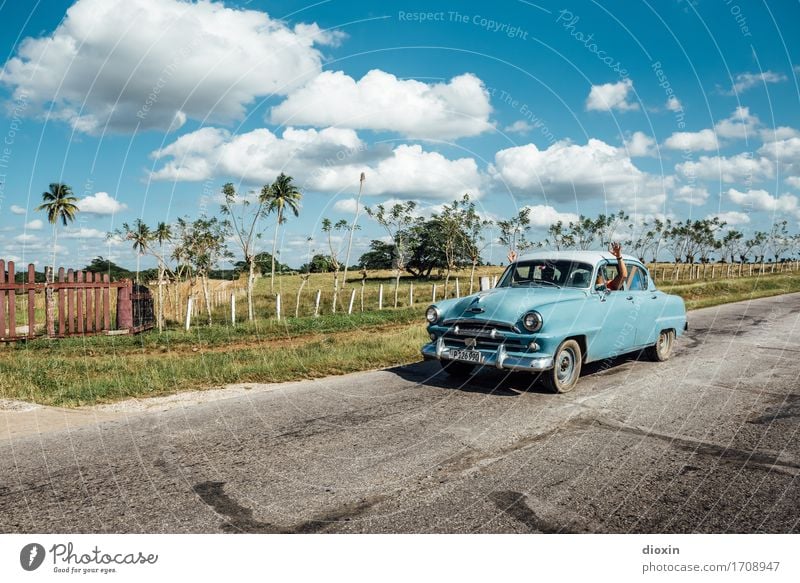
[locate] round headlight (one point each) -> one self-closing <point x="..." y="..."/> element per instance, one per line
<point x="532" y="321"/>
<point x="432" y="315"/>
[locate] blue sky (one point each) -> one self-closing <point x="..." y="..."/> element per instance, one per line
<point x="146" y="107"/>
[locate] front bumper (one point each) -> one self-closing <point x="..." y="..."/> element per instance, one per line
<point x="499" y="358"/>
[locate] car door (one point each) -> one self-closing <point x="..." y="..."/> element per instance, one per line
<point x="617" y="312"/>
<point x="651" y="307"/>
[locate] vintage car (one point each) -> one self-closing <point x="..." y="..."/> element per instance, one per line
<point x="550" y="312"/>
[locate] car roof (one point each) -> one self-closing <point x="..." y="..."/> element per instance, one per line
<point x="592" y="257"/>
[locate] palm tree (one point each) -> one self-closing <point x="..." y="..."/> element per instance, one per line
<point x="282" y="194"/>
<point x="141" y="236"/>
<point x="162" y="234"/>
<point x="59" y="202"/>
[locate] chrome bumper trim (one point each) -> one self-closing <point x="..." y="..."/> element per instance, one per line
<point x="499" y="359"/>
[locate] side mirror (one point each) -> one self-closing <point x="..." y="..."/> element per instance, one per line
<point x="601" y="287"/>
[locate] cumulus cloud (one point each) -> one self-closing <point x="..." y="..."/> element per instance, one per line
<point x="100" y="203"/>
<point x="761" y="200"/>
<point x="693" y="141"/>
<point x="779" y="133"/>
<point x="84" y="233"/>
<point x="692" y="195"/>
<point x="731" y="218"/>
<point x="155" y="63"/>
<point x="545" y="215"/>
<point x="742" y="166"/>
<point x="34" y="225"/>
<point x="329" y="160"/>
<point x="381" y="101"/>
<point x="611" y="96"/>
<point x="793" y="181"/>
<point x="26" y="238"/>
<point x="519" y="127"/>
<point x="17" y="210"/>
<point x="257" y="156"/>
<point x="740" y="125"/>
<point x="640" y="144"/>
<point x="566" y="171"/>
<point x="745" y="81"/>
<point x="673" y="104"/>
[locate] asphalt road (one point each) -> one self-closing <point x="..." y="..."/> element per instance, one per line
<point x="707" y="442"/>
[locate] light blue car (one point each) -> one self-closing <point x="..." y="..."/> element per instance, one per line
<point x="550" y="313"/>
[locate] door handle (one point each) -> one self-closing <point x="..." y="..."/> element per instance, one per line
<point x="629" y="298"/>
<point x="653" y="297"/>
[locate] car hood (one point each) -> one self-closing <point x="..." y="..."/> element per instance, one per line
<point x="507" y="304"/>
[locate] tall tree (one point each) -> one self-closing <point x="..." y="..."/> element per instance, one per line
<point x="203" y="244"/>
<point x="162" y="235"/>
<point x="244" y="218"/>
<point x="395" y="221"/>
<point x="280" y="196"/>
<point x="328" y="227"/>
<point x="140" y="235"/>
<point x="778" y="239"/>
<point x="59" y="204"/>
<point x="474" y="227"/>
<point x="514" y="231"/>
<point x="353" y="227"/>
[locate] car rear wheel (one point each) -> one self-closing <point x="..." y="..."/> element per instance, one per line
<point x="457" y="369"/>
<point x="566" y="368"/>
<point x="662" y="349"/>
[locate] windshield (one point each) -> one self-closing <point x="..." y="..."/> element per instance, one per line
<point x="543" y="272"/>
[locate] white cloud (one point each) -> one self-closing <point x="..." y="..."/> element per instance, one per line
<point x="693" y="141"/>
<point x="728" y="169"/>
<point x="519" y="127"/>
<point x="100" y="203"/>
<point x="155" y="63"/>
<point x="740" y="125"/>
<point x="545" y="215"/>
<point x="673" y="104"/>
<point x="779" y="133"/>
<point x="34" y="225"/>
<point x="793" y="181"/>
<point x="329" y="160"/>
<point x="761" y="200"/>
<point x="26" y="238"/>
<point x="745" y="81"/>
<point x="381" y="101"/>
<point x="732" y="218"/>
<point x="640" y="144"/>
<point x="611" y="96"/>
<point x="692" y="195"/>
<point x="347" y="205"/>
<point x="257" y="156"/>
<point x="409" y="171"/>
<point x="566" y="171"/>
<point x="83" y="233"/>
<point x="17" y="210"/>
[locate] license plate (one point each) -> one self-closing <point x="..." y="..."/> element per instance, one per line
<point x="466" y="355"/>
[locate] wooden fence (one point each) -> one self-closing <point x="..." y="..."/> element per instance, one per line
<point x="76" y="303"/>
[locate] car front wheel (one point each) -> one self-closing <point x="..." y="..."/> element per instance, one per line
<point x="662" y="349"/>
<point x="566" y="368"/>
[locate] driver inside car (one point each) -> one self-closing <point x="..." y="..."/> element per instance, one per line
<point x="622" y="271"/>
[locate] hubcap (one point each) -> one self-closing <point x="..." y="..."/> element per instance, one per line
<point x="566" y="365"/>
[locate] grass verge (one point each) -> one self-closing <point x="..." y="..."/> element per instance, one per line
<point x="85" y="371"/>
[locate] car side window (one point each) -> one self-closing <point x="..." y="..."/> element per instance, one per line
<point x="637" y="280"/>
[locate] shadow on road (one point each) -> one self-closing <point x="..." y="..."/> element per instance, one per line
<point x="503" y="383"/>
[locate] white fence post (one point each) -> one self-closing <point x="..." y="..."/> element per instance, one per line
<point x="380" y="297"/>
<point x="316" y="302"/>
<point x="189" y="310"/>
<point x="458" y="289"/>
<point x="433" y="294"/>
<point x="411" y="294"/>
<point x="233" y="309"/>
<point x="494" y="281"/>
<point x="278" y="306"/>
<point x="352" y="299"/>
<point x="484" y="283"/>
